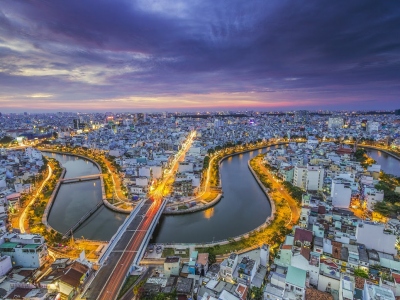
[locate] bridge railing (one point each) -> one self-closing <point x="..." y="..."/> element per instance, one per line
<point x="146" y="238"/>
<point x="83" y="219"/>
<point x="115" y="238"/>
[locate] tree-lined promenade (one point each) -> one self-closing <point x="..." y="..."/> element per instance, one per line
<point x="115" y="191"/>
<point x="287" y="207"/>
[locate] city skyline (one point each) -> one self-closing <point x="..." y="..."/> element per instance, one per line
<point x="230" y="55"/>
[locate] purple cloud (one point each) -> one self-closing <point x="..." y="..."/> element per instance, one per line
<point x="307" y="53"/>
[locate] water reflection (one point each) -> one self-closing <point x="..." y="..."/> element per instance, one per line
<point x="209" y="213"/>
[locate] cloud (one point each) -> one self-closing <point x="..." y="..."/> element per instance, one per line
<point x="307" y="54"/>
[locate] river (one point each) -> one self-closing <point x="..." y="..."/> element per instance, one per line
<point x="243" y="207"/>
<point x="388" y="163"/>
<point x="75" y="199"/>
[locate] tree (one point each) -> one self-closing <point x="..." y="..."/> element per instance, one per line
<point x="212" y="258"/>
<point x="6" y="140"/>
<point x="255" y="293"/>
<point x="361" y="273"/>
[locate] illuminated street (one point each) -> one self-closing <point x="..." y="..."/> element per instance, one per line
<point x="112" y="275"/>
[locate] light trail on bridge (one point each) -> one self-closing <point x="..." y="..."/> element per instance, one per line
<point x="110" y="278"/>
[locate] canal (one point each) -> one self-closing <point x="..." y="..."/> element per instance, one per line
<point x="243" y="207"/>
<point x="75" y="199"/>
<point x="389" y="164"/>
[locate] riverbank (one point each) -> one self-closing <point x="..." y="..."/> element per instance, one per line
<point x="272" y="231"/>
<point x="194" y="209"/>
<point x="103" y="186"/>
<point x="203" y="201"/>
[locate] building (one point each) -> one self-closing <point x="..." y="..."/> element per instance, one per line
<point x="183" y="188"/>
<point x="382" y="239"/>
<point x="300" y="116"/>
<point x="300" y="176"/>
<point x="26" y="256"/>
<point x="5" y="264"/>
<point x="374" y="292"/>
<point x="228" y="266"/>
<point x="372" y="197"/>
<point x="245" y="271"/>
<point x="341" y="193"/>
<point x="172" y="266"/>
<point x="296" y="282"/>
<point x="315" y="178"/>
<point x="25" y="250"/>
<point x="66" y="277"/>
<point x="372" y="127"/>
<point x="335" y="123"/>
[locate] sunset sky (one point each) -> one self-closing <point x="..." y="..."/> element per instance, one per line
<point x="157" y="55"/>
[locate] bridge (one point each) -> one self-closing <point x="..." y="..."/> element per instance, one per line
<point x="86" y="216"/>
<point x="128" y="245"/>
<point x="81" y="178"/>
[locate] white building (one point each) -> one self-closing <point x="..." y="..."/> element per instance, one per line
<point x="341" y="193"/>
<point x="300" y="176"/>
<point x="374" y="236"/>
<point x="372" y="196"/>
<point x="373" y="292"/>
<point x="172" y="266"/>
<point x="372" y="127"/>
<point x="142" y="181"/>
<point x="25" y="250"/>
<point x="185" y="167"/>
<point x="145" y="171"/>
<point x="156" y="171"/>
<point x="315" y="178"/>
<point x="5" y="264"/>
<point x="335" y="123"/>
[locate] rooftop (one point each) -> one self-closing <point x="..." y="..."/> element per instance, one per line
<point x="296" y="276"/>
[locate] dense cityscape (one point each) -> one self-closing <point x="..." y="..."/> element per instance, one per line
<point x="80" y="189"/>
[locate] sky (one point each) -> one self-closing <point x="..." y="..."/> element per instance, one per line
<point x="158" y="55"/>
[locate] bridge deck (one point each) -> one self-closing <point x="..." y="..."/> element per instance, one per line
<point x="82" y="178"/>
<point x="105" y="272"/>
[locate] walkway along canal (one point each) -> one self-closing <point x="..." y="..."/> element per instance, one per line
<point x="75" y="199"/>
<point x="243" y="207"/>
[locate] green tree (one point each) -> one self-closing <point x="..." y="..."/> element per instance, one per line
<point x="255" y="293"/>
<point x="361" y="273"/>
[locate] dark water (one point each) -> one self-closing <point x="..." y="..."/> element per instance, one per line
<point x="75" y="199"/>
<point x="74" y="165"/>
<point x="388" y="163"/>
<point x="243" y="208"/>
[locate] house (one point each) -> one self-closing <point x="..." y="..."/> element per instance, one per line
<point x="303" y="237"/>
<point x="172" y="266"/>
<point x="25" y="255"/>
<point x="296" y="280"/>
<point x="245" y="271"/>
<point x="67" y="280"/>
<point x="372" y="292"/>
<point x="202" y="263"/>
<point x="228" y="266"/>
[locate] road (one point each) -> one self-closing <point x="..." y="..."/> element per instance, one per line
<point x="292" y="204"/>
<point x="112" y="275"/>
<point x="39" y="190"/>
